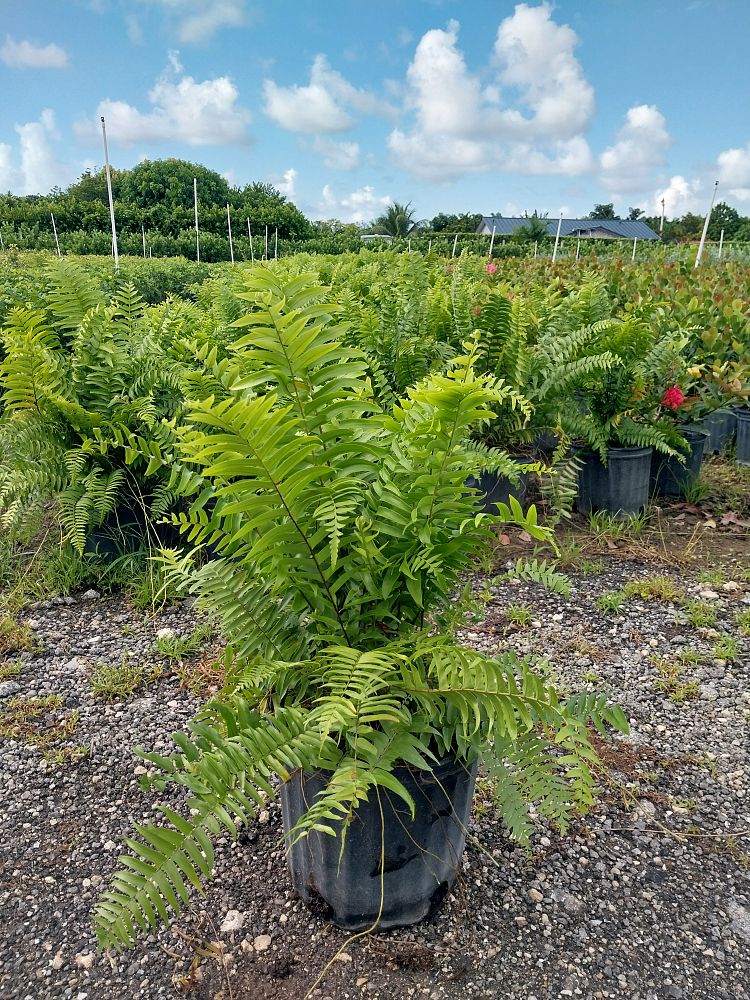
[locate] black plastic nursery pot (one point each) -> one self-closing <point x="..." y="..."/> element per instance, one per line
<point x="495" y="488"/>
<point x="721" y="426"/>
<point x="620" y="486"/>
<point x="742" y="453"/>
<point x="672" y="478"/>
<point x="414" y="862"/>
<point x="126" y="530"/>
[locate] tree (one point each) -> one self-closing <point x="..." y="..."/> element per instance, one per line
<point x="466" y="222"/>
<point x="532" y="231"/>
<point x="724" y="217"/>
<point x="397" y="220"/>
<point x="634" y="214"/>
<point x="603" y="212"/>
<point x="169" y="184"/>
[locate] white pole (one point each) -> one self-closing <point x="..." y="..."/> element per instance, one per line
<point x="143" y="234"/>
<point x="492" y="240"/>
<point x="150" y="253"/>
<point x="250" y="234"/>
<point x="276" y="243"/>
<point x="265" y="255"/>
<point x="195" y="206"/>
<point x="536" y="249"/>
<point x="111" y="202"/>
<point x="578" y="248"/>
<point x="455" y="244"/>
<point x="661" y="224"/>
<point x="702" y="244"/>
<point x="557" y="238"/>
<point x="721" y="243"/>
<point x="635" y="244"/>
<point x="229" y="228"/>
<point x="429" y="247"/>
<point x="2" y="242"/>
<point x="54" y="230"/>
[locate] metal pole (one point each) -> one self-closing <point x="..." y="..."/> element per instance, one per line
<point x="635" y="244"/>
<point x="536" y="249"/>
<point x="250" y="234"/>
<point x="557" y="238"/>
<point x="578" y="248"/>
<point x="54" y="230"/>
<point x="143" y="234"/>
<point x="265" y="255"/>
<point x="195" y="206"/>
<point x="661" y="224"/>
<point x="455" y="243"/>
<point x="702" y="244"/>
<point x="111" y="201"/>
<point x="229" y="228"/>
<point x="492" y="240"/>
<point x="721" y="243"/>
<point x="276" y="243"/>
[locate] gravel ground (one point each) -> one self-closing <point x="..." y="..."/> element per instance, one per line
<point x="647" y="898"/>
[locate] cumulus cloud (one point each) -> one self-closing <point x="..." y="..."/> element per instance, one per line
<point x="532" y="113"/>
<point x="34" y="167"/>
<point x="26" y="55"/>
<point x="197" y="113"/>
<point x="639" y="150"/>
<point x="197" y="21"/>
<point x="358" y="206"/>
<point x="337" y="155"/>
<point x="734" y="172"/>
<point x="324" y="105"/>
<point x="286" y="185"/>
<point x="680" y="196"/>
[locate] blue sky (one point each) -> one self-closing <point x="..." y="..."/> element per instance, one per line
<point x="483" y="106"/>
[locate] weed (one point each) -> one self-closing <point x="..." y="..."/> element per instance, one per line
<point x="591" y="566"/>
<point x="11" y="669"/>
<point x="695" y="491"/>
<point x="605" y="526"/>
<point x="569" y="551"/>
<point x="518" y="614"/>
<point x="701" y="614"/>
<point x="655" y="588"/>
<point x="727" y="648"/>
<point x="26" y="721"/>
<point x="715" y="577"/>
<point x="690" y="657"/>
<point x="671" y="683"/>
<point x="611" y="601"/>
<point x="112" y="682"/>
<point x="743" y="620"/>
<point x="591" y="677"/>
<point x="15" y="637"/>
<point x="177" y="647"/>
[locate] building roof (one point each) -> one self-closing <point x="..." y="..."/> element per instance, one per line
<point x="625" y="229"/>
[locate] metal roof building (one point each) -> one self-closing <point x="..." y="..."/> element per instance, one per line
<point x="603" y="229"/>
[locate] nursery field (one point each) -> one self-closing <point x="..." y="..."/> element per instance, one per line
<point x="360" y="516"/>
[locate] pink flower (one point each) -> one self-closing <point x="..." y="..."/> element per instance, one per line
<point x="673" y="398"/>
<point x="490" y="268"/>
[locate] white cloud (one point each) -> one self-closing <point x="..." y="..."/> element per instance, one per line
<point x="734" y="172"/>
<point x="358" y="206"/>
<point x="34" y="168"/>
<point x="639" y="150"/>
<point x="286" y="185"/>
<point x="26" y="55"/>
<point x="198" y="20"/>
<point x="680" y="196"/>
<point x="337" y="155"/>
<point x="323" y="105"/>
<point x="529" y="119"/>
<point x="183" y="110"/>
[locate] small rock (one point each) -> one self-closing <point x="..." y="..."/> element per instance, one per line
<point x="90" y="595"/>
<point x="233" y="921"/>
<point x="344" y="957"/>
<point x="7" y="688"/>
<point x="570" y="903"/>
<point x="740" y="917"/>
<point x="536" y="895"/>
<point x="644" y="811"/>
<point x="263" y="816"/>
<point x="708" y="595"/>
<point x="84" y="959"/>
<point x="707" y="693"/>
<point x="58" y="961"/>
<point x="262" y="942"/>
<point x="168" y="633"/>
<point x="730" y="587"/>
<point x="362" y="980"/>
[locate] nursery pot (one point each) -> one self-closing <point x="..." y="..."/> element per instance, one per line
<point x="721" y="426"/>
<point x="742" y="453"/>
<point x="414" y="862"/>
<point x="125" y="530"/>
<point x="495" y="488"/>
<point x="672" y="478"/>
<point x="620" y="487"/>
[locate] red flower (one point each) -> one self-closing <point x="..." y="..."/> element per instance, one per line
<point x="673" y="398"/>
<point x="490" y="268"/>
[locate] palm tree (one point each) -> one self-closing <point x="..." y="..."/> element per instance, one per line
<point x="397" y="220"/>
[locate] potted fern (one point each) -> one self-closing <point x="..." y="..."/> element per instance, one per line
<point x="342" y="532"/>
